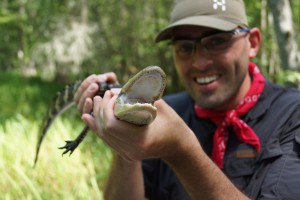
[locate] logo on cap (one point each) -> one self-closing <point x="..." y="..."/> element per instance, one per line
<point x="219" y="3"/>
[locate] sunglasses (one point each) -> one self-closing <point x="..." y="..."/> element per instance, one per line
<point x="212" y="44"/>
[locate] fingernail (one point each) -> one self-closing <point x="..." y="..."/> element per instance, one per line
<point x="115" y="90"/>
<point x="101" y="78"/>
<point x="96" y="97"/>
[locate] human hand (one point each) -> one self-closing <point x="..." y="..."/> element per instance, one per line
<point x="89" y="88"/>
<point x="160" y="139"/>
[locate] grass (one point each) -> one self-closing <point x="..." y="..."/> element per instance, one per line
<point x="80" y="176"/>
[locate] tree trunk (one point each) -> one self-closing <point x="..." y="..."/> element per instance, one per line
<point x="285" y="33"/>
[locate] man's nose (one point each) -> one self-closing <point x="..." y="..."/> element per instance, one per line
<point x="201" y="60"/>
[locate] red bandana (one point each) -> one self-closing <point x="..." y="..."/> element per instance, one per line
<point x="232" y="118"/>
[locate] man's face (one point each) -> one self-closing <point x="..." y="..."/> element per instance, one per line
<point x="216" y="79"/>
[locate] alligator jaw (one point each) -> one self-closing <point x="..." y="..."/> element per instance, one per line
<point x="135" y="101"/>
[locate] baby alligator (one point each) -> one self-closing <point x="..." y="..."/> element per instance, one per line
<point x="134" y="103"/>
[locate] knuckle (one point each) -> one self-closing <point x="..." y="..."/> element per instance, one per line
<point x="109" y="127"/>
<point x="112" y="74"/>
<point x="102" y="77"/>
<point x="91" y="79"/>
<point x="90" y="89"/>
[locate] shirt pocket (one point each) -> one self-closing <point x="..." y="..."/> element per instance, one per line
<point x="244" y="165"/>
<point x="283" y="178"/>
<point x="239" y="166"/>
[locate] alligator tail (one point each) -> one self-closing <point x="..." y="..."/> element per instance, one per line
<point x="60" y="103"/>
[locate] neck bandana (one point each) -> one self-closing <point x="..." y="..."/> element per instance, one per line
<point x="232" y="119"/>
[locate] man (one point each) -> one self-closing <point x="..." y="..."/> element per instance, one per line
<point x="232" y="135"/>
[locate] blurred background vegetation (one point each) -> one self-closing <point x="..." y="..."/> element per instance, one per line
<point x="45" y="44"/>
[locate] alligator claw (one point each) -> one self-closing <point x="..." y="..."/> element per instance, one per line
<point x="70" y="147"/>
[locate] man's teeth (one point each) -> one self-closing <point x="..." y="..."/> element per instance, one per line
<point x="207" y="79"/>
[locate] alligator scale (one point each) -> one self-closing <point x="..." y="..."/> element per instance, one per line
<point x="134" y="103"/>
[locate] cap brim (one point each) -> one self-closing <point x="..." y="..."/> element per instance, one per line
<point x="205" y="21"/>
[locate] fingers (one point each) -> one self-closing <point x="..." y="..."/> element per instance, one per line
<point x="109" y="77"/>
<point x="89" y="93"/>
<point x="111" y="127"/>
<point x="159" y="104"/>
<point x="89" y="88"/>
<point x="95" y="120"/>
<point x="101" y="113"/>
<point x="164" y="109"/>
<point x="89" y="121"/>
<point x="84" y="85"/>
<point x="116" y="91"/>
<point x="88" y="106"/>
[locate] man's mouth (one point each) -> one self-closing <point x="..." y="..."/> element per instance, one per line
<point x="207" y="79"/>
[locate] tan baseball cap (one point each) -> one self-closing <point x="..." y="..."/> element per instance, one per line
<point x="223" y="15"/>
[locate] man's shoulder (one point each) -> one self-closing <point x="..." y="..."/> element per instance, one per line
<point x="284" y="94"/>
<point x="278" y="102"/>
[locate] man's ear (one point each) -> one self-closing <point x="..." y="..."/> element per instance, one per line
<point x="254" y="40"/>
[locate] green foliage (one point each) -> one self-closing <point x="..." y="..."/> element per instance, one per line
<point x="25" y="96"/>
<point x="289" y="78"/>
<point x="121" y="39"/>
<point x="23" y="106"/>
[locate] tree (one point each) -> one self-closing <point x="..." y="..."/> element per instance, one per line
<point x="93" y="36"/>
<point x="285" y="33"/>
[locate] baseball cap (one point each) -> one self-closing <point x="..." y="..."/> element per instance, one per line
<point x="223" y="15"/>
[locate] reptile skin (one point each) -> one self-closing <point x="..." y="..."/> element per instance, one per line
<point x="134" y="103"/>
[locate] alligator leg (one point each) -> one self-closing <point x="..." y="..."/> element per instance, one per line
<point x="72" y="145"/>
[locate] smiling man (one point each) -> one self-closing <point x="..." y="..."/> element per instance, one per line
<point x="231" y="135"/>
<point x="211" y="64"/>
